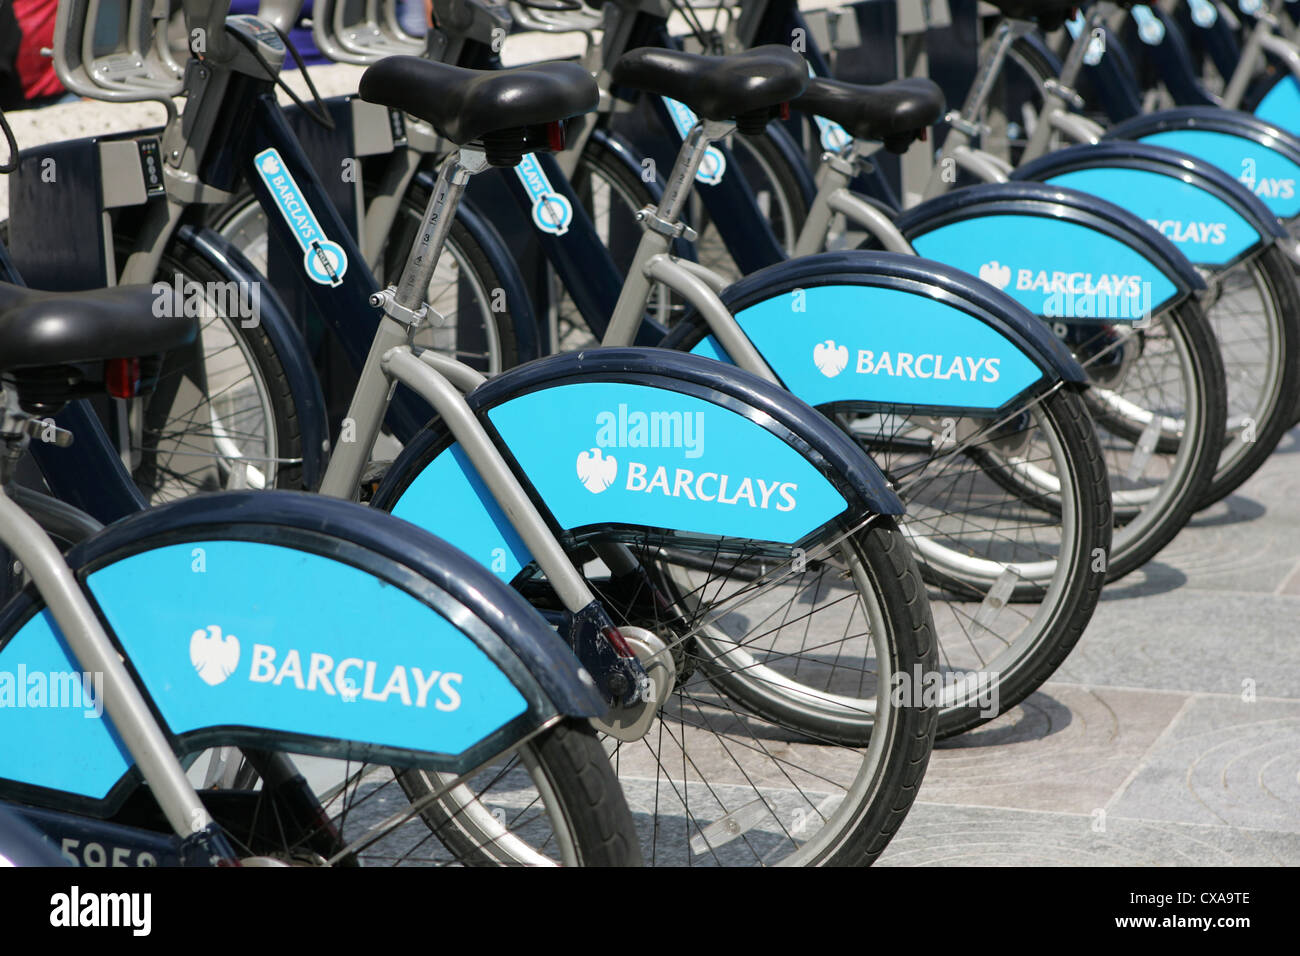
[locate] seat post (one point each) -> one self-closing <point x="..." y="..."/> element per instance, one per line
<point x="682" y="178"/>
<point x="408" y="295"/>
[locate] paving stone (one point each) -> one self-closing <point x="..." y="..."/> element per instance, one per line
<point x="946" y="835"/>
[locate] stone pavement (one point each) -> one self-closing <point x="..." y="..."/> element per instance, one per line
<point x="1171" y="736"/>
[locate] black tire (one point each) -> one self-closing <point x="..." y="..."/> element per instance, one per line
<point x="180" y="415"/>
<point x="578" y="805"/>
<point x="897" y="746"/>
<point x="1026" y="669"/>
<point x="1257" y="419"/>
<point x="588" y="800"/>
<point x="1149" y="516"/>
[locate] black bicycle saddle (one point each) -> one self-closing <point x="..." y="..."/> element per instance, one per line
<point x="894" y="113"/>
<point x="717" y="87"/>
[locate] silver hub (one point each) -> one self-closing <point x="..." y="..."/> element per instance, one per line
<point x="631" y="723"/>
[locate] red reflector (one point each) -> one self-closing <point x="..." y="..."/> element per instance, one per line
<point x="122" y="377"/>
<point x="785" y="111"/>
<point x="925" y="134"/>
<point x="555" y="136"/>
<point x="618" y="642"/>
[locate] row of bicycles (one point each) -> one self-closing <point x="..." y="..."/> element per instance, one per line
<point x="724" y="480"/>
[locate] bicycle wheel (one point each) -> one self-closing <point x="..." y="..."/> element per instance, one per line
<point x="1254" y="310"/>
<point x="784" y="739"/>
<point x="475" y="326"/>
<point x="823" y="775"/>
<point x="1159" y="401"/>
<point x="560" y="795"/>
<point x="223" y="415"/>
<point x="612" y="195"/>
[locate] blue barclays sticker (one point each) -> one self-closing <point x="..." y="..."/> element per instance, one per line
<point x="552" y="213"/>
<point x="55" y="732"/>
<point x="1053" y="267"/>
<point x="323" y="259"/>
<point x="1264" y="171"/>
<point x="259" y="635"/>
<point x="714" y="165"/>
<point x="872" y="344"/>
<point x="1281" y="105"/>
<point x="604" y="452"/>
<point x="615" y="453"/>
<point x="1204" y="13"/>
<point x="1205" y="228"/>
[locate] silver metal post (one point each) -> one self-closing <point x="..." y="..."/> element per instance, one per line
<point x="403" y="366"/>
<point x="423" y="258"/>
<point x="123" y="702"/>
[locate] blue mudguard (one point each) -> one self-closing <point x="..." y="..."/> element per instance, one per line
<point x="883" y="330"/>
<point x="1262" y="156"/>
<point x="279" y="326"/>
<point x="282" y="620"/>
<point x="1280" y="105"/>
<point x="1213" y="219"/>
<point x="1058" y="252"/>
<point x="638" y="439"/>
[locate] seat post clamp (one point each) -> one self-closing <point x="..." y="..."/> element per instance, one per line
<point x="962" y="125"/>
<point x="387" y="300"/>
<point x="1063" y="92"/>
<point x="851" y="166"/>
<point x="673" y="230"/>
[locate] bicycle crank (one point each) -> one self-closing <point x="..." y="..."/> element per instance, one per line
<point x="631" y="721"/>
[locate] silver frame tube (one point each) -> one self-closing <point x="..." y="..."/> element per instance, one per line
<point x="94" y="651"/>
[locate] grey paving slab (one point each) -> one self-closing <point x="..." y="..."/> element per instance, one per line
<point x="1224" y="761"/>
<point x="1065" y="748"/>
<point x="945" y="835"/>
<point x="1192" y="640"/>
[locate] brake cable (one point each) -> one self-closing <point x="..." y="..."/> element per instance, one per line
<point x="708" y="40"/>
<point x="321" y="118"/>
<point x="12" y="163"/>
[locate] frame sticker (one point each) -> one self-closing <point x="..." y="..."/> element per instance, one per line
<point x="552" y="213"/>
<point x="324" y="261"/>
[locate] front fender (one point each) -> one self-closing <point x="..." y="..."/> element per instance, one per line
<point x="647" y="440"/>
<point x="290" y="348"/>
<point x="293" y="622"/>
<point x="1212" y="219"/>
<point x="1264" y="157"/>
<point x="1059" y="252"/>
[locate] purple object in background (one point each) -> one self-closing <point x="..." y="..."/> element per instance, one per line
<point x="299" y="36"/>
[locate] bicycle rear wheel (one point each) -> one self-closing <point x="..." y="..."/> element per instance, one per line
<point x="820" y="770"/>
<point x="559" y="795"/>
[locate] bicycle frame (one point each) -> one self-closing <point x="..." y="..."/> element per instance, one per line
<point x="1266" y="39"/>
